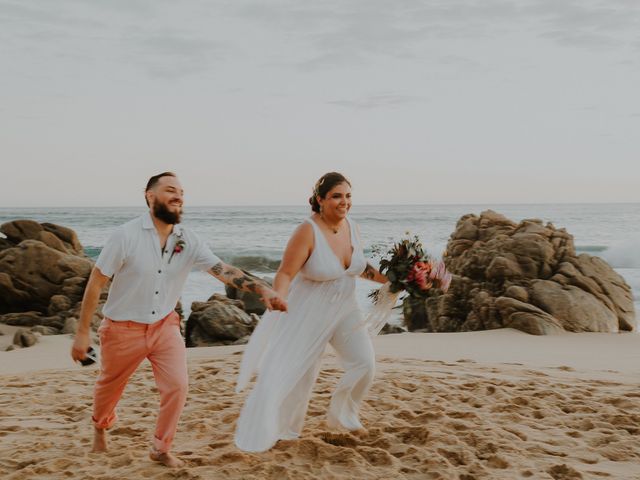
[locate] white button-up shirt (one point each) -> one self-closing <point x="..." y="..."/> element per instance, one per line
<point x="147" y="282"/>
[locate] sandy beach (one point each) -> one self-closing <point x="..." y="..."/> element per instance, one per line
<point x="497" y="405"/>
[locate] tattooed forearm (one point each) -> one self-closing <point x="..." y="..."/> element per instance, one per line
<point x="216" y="269"/>
<point x="369" y="272"/>
<point x="245" y="282"/>
<point x="237" y="278"/>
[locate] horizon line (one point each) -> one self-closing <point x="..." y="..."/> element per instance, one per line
<point x="359" y="204"/>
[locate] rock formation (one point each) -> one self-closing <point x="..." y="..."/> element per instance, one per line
<point x="526" y="276"/>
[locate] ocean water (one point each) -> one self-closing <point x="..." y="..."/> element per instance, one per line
<point x="254" y="237"/>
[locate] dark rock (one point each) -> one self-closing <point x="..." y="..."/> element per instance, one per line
<point x="70" y="325"/>
<point x="19" y="230"/>
<point x="67" y="235"/>
<point x="519" y="293"/>
<point x="31" y="319"/>
<point x="251" y="301"/>
<point x="219" y="321"/>
<point x="4" y="243"/>
<point x="525" y="276"/>
<point x="57" y="237"/>
<point x="389" y="329"/>
<point x="415" y="314"/>
<point x="58" y="303"/>
<point x="42" y="330"/>
<point x="524" y="316"/>
<point x="32" y="273"/>
<point x="576" y="309"/>
<point x="24" y="338"/>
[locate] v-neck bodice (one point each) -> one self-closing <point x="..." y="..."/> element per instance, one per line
<point x="324" y="265"/>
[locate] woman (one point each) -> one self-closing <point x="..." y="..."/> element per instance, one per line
<point x="317" y="276"/>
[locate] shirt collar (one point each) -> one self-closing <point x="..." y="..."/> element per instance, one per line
<point x="147" y="223"/>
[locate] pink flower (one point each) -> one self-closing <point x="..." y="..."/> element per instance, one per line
<point x="179" y="246"/>
<point x="445" y="282"/>
<point x="438" y="271"/>
<point x="420" y="274"/>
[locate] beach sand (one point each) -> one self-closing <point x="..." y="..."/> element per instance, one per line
<point x="497" y="405"/>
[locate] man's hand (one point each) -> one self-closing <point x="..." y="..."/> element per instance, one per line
<point x="250" y="283"/>
<point x="272" y="300"/>
<point x="80" y="346"/>
<point x="97" y="280"/>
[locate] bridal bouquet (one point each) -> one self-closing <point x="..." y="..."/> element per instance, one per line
<point x="409" y="269"/>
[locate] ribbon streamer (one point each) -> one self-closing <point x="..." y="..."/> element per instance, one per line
<point x="378" y="316"/>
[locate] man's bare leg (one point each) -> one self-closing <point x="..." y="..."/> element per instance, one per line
<point x="165" y="458"/>
<point x="99" y="440"/>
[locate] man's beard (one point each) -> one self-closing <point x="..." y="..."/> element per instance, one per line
<point x="161" y="212"/>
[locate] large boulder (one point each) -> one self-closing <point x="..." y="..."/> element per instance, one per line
<point x="4" y="243"/>
<point x="58" y="237"/>
<point x="218" y="321"/>
<point x="33" y="272"/>
<point x="523" y="275"/>
<point x="32" y="319"/>
<point x="43" y="273"/>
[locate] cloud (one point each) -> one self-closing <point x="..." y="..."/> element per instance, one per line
<point x="587" y="24"/>
<point x="378" y="101"/>
<point x="110" y="32"/>
<point x="307" y="36"/>
<point x="170" y="53"/>
<point x="44" y="14"/>
<point x="338" y="34"/>
<point x="587" y="40"/>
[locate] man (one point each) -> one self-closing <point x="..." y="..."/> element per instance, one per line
<point x="149" y="259"/>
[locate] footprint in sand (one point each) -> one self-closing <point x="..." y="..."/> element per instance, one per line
<point x="413" y="435"/>
<point x="128" y="431"/>
<point x="456" y="458"/>
<point x="121" y="460"/>
<point x="383" y="443"/>
<point x="375" y="456"/>
<point x="217" y="445"/>
<point x="564" y="472"/>
<point x="339" y="439"/>
<point x="229" y="457"/>
<point x="462" y="415"/>
<point x="497" y="462"/>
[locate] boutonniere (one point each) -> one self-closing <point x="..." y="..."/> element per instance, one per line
<point x="179" y="246"/>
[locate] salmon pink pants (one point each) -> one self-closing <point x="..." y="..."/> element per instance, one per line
<point x="123" y="346"/>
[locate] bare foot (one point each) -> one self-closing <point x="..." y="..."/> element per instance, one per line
<point x="165" y="458"/>
<point x="99" y="440"/>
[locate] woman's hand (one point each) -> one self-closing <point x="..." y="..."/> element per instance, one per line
<point x="272" y="300"/>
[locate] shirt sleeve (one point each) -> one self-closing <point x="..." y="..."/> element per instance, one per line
<point x="204" y="258"/>
<point x="112" y="256"/>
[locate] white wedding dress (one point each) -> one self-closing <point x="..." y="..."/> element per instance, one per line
<point x="286" y="348"/>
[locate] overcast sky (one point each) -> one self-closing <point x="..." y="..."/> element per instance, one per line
<point x="448" y="101"/>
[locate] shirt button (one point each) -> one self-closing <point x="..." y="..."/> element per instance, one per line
<point x="157" y="293"/>
<point x="159" y="271"/>
<point x="153" y="313"/>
